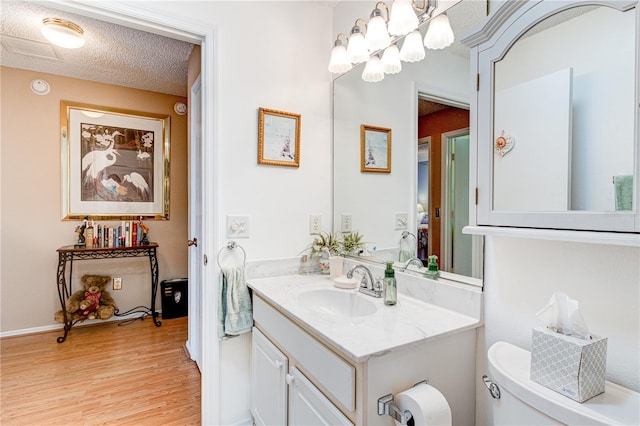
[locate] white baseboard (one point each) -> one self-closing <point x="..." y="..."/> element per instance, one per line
<point x="243" y="422"/>
<point x="59" y="326"/>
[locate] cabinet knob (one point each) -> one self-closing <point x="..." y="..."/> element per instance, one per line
<point x="278" y="364"/>
<point x="289" y="378"/>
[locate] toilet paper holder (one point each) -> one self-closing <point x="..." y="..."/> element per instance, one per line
<point x="386" y="407"/>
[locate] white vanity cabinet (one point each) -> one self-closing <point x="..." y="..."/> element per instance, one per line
<point x="280" y="391"/>
<point x="269" y="369"/>
<point x="557" y="116"/>
<point x="302" y="377"/>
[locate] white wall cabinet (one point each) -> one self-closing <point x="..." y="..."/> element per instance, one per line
<point x="521" y="43"/>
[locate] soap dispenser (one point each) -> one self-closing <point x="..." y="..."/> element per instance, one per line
<point x="390" y="288"/>
<point x="432" y="267"/>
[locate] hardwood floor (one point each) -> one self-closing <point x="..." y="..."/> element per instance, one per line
<point x="135" y="374"/>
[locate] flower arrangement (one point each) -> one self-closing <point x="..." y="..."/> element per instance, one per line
<point x="352" y="243"/>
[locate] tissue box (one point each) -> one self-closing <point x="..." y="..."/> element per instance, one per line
<point x="568" y="365"/>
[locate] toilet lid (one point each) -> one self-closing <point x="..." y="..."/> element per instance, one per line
<point x="509" y="367"/>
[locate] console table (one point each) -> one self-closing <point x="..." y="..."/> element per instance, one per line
<point x="71" y="253"/>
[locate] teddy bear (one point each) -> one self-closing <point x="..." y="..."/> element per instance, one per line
<point x="92" y="302"/>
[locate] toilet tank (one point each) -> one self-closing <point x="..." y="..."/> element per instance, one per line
<point x="524" y="402"/>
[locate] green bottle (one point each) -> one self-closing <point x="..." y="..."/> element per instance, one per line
<point x="390" y="288"/>
<point x="432" y="267"/>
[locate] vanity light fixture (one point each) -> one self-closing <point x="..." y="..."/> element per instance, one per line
<point x="439" y="34"/>
<point x="391" y="60"/>
<point x="412" y="47"/>
<point x="357" y="51"/>
<point x="339" y="62"/>
<point x="373" y="72"/>
<point x="63" y="33"/>
<point x="403" y="21"/>
<point x="377" y="36"/>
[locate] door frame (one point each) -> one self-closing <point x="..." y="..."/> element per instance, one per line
<point x="205" y="35"/>
<point x="446" y="239"/>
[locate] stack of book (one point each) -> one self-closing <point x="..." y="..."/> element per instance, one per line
<point x="128" y="234"/>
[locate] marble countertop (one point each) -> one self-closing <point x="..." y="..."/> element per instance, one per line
<point x="411" y="321"/>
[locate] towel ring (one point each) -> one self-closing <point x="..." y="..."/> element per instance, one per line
<point x="231" y="246"/>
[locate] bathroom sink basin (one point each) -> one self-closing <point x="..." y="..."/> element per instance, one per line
<point x="339" y="303"/>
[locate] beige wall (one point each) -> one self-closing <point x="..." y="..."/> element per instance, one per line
<point x="30" y="201"/>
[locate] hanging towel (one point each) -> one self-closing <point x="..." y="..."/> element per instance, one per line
<point x="623" y="185"/>
<point x="235" y="314"/>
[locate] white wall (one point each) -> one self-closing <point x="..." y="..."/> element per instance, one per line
<point x="520" y="277"/>
<point x="272" y="55"/>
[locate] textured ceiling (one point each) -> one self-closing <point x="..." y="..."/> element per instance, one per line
<point x="112" y="54"/>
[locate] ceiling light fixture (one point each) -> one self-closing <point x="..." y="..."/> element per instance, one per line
<point x="63" y="33"/>
<point x="403" y="21"/>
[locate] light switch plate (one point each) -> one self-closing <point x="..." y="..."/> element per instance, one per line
<point x="402" y="219"/>
<point x="238" y="226"/>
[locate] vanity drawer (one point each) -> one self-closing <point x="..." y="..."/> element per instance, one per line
<point x="324" y="367"/>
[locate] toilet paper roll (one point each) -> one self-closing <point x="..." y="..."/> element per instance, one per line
<point x="427" y="405"/>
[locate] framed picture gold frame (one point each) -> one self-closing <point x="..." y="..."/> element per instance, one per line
<point x="115" y="163"/>
<point x="375" y="149"/>
<point x="278" y="138"/>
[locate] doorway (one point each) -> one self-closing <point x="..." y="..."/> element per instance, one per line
<point x="441" y="126"/>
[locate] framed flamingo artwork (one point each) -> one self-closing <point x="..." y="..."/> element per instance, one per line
<point x="115" y="163"/>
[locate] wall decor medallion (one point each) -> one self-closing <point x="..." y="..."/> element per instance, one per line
<point x="504" y="143"/>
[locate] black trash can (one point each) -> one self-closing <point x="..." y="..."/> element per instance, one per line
<point x="175" y="301"/>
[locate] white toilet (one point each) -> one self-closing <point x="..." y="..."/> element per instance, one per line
<point x="524" y="402"/>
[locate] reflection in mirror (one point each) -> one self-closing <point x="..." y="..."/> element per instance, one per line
<point x="376" y="203"/>
<point x="570" y="145"/>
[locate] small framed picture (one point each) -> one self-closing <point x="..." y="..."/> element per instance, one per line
<point x="278" y="138"/>
<point x="375" y="149"/>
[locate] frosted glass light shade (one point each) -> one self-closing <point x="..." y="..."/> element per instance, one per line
<point x="373" y="70"/>
<point x="357" y="51"/>
<point x="412" y="48"/>
<point x="339" y="62"/>
<point x="391" y="60"/>
<point x="403" y="19"/>
<point x="377" y="36"/>
<point x="439" y="34"/>
<point x="62" y="33"/>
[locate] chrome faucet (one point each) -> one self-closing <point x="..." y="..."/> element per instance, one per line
<point x="412" y="260"/>
<point x="368" y="285"/>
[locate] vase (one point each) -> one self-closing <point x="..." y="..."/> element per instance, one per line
<point x="324" y="263"/>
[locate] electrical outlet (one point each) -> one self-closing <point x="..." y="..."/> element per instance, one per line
<point x="402" y="219"/>
<point x="117" y="283"/>
<point x="315" y="224"/>
<point x="346" y="223"/>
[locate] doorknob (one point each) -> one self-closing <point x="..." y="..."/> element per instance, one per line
<point x="193" y="242"/>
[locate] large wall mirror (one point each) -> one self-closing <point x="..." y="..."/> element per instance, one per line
<point x="426" y="106"/>
<point x="558" y="117"/>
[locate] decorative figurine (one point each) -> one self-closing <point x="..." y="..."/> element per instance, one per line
<point x="145" y="230"/>
<point x="80" y="230"/>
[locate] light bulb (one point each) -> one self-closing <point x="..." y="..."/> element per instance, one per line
<point x="439" y="34"/>
<point x="339" y="62"/>
<point x="377" y="36"/>
<point x="373" y="70"/>
<point x="357" y="51"/>
<point x="412" y="48"/>
<point x="403" y="18"/>
<point x="391" y="60"/>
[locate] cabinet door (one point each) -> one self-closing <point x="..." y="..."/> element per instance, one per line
<point x="268" y="386"/>
<point x="308" y="406"/>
